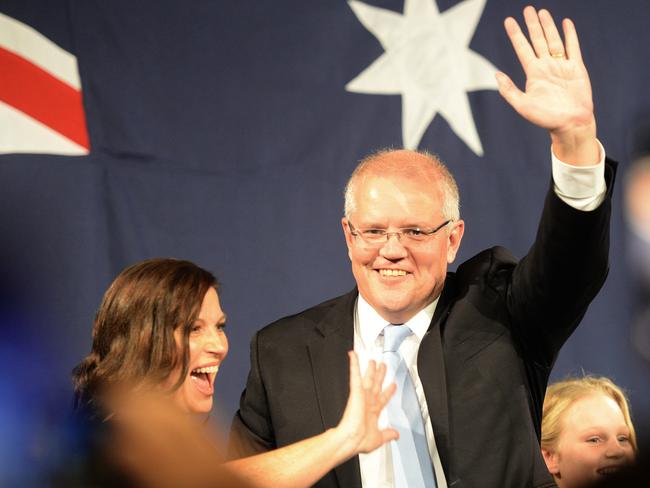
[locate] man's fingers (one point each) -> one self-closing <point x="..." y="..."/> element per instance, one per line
<point x="522" y="47"/>
<point x="509" y="91"/>
<point x="571" y="38"/>
<point x="536" y="33"/>
<point x="553" y="39"/>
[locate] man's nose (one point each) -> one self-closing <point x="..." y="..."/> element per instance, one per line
<point x="393" y="247"/>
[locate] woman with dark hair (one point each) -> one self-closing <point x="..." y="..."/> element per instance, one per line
<point x="160" y="328"/>
<point x="152" y="317"/>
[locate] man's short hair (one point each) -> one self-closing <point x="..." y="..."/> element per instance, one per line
<point x="380" y="161"/>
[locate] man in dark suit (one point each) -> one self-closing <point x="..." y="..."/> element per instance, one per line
<point x="481" y="341"/>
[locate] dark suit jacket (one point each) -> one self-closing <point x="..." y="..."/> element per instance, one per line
<point x="484" y="362"/>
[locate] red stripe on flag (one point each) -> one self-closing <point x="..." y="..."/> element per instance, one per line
<point x="43" y="97"/>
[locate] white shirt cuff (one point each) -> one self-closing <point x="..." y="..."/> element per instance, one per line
<point x="581" y="187"/>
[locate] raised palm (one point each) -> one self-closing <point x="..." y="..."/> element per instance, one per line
<point x="557" y="95"/>
<point x="365" y="403"/>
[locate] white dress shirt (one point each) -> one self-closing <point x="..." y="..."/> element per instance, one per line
<point x="583" y="188"/>
<point x="377" y="466"/>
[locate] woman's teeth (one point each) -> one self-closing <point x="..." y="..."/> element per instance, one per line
<point x="209" y="369"/>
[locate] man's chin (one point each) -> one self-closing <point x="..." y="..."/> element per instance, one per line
<point x="398" y="309"/>
<point x="396" y="313"/>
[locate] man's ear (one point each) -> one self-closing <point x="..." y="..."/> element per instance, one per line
<point x="346" y="232"/>
<point x="454" y="237"/>
<point x="551" y="460"/>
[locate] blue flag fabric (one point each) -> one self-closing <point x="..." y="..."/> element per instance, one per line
<point x="224" y="132"/>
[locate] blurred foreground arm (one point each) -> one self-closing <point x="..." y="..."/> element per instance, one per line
<point x="162" y="447"/>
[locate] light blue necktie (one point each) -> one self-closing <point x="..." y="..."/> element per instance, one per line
<point x="411" y="461"/>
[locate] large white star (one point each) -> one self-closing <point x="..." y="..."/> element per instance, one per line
<point x="428" y="61"/>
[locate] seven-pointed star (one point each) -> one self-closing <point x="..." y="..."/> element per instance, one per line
<point x="428" y="61"/>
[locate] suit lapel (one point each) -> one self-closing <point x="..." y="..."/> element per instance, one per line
<point x="329" y="360"/>
<point x="431" y="369"/>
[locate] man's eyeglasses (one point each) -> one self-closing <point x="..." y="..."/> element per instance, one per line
<point x="411" y="235"/>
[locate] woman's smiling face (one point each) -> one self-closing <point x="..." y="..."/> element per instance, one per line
<point x="208" y="347"/>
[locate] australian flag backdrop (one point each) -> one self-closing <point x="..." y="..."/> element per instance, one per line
<point x="223" y="132"/>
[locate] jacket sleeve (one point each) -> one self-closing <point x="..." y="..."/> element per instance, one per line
<point x="552" y="286"/>
<point x="251" y="431"/>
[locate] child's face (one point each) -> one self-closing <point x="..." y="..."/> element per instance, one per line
<point x="594" y="442"/>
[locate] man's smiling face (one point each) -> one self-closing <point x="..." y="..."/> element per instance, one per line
<point x="399" y="278"/>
